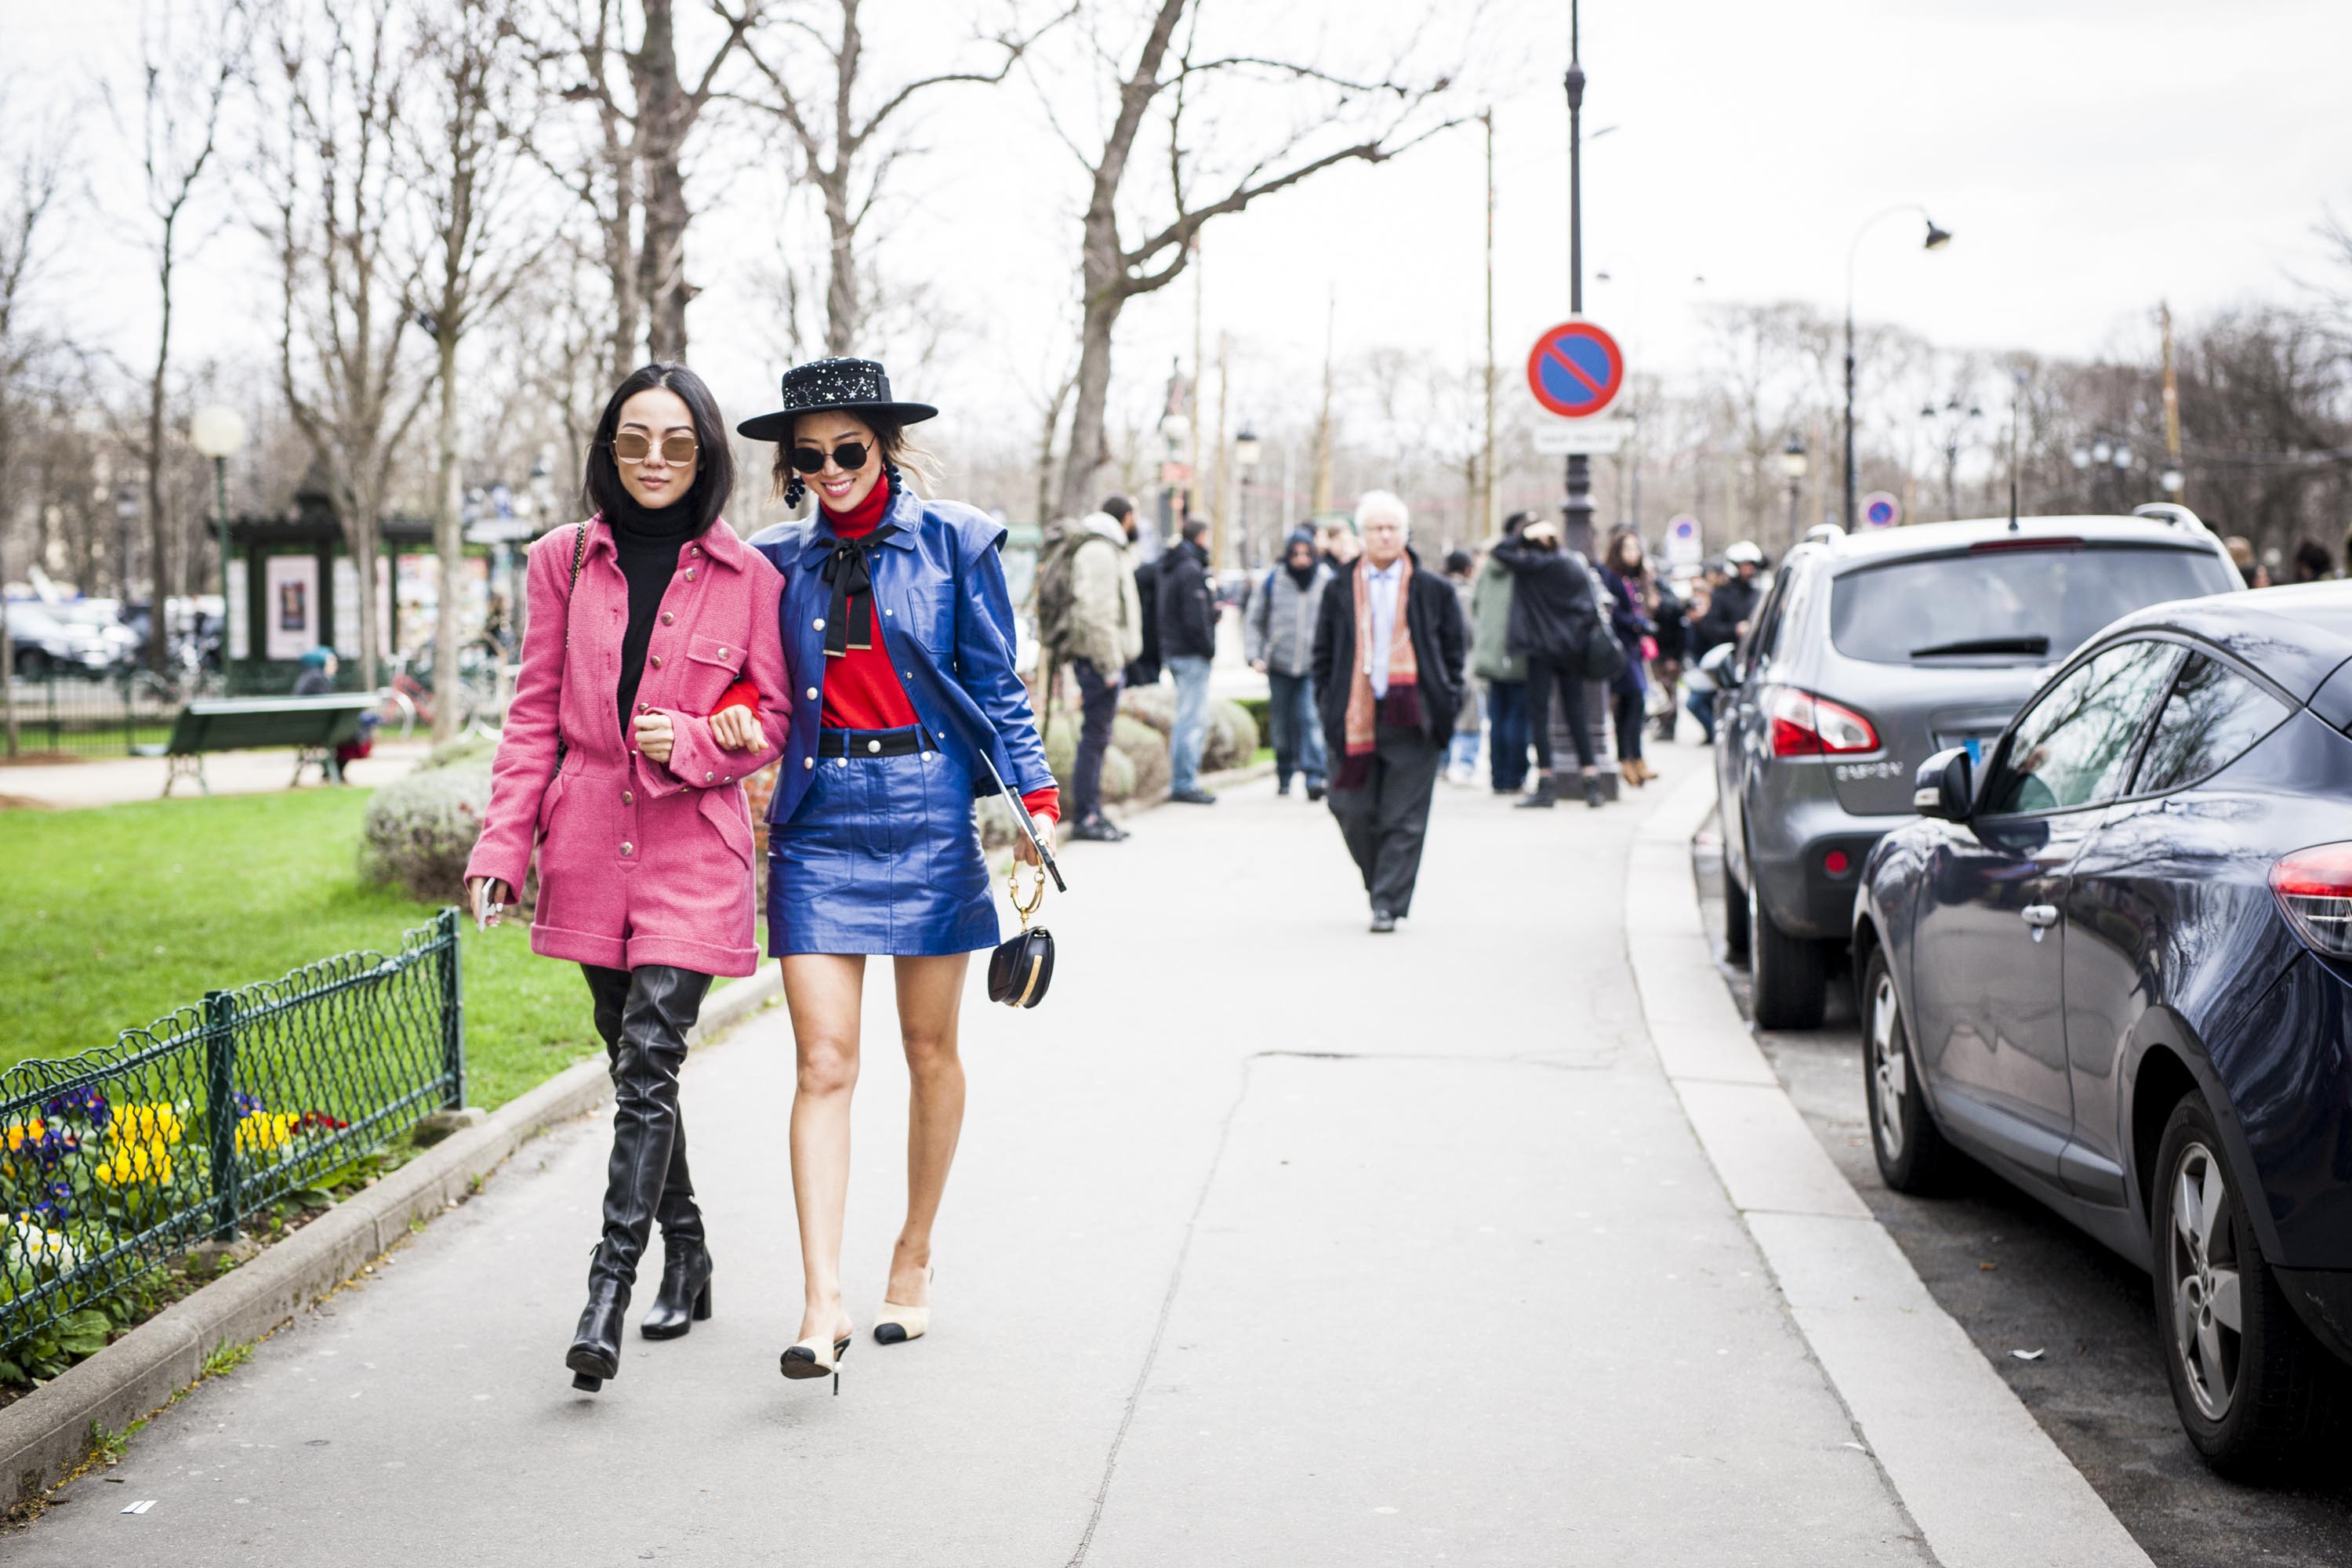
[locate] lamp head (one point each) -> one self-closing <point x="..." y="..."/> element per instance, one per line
<point x="1938" y="237"/>
<point x="217" y="431"/>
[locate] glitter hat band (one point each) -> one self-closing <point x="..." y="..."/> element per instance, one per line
<point x="851" y="386"/>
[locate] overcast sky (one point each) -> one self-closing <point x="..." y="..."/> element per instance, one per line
<point x="2091" y="156"/>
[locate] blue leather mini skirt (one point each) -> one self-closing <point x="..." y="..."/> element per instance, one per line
<point x="881" y="855"/>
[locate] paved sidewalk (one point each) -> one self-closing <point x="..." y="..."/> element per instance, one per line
<point x="115" y="780"/>
<point x="1271" y="1242"/>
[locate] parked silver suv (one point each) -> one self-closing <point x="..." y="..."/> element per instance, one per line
<point x="1871" y="652"/>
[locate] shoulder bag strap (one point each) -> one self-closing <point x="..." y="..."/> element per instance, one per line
<point x="579" y="554"/>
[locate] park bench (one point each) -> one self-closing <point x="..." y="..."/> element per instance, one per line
<point x="314" y="726"/>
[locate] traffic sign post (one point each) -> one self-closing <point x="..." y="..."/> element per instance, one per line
<point x="1684" y="550"/>
<point x="1880" y="509"/>
<point x="1575" y="369"/>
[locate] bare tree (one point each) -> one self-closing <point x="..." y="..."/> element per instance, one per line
<point x="348" y="264"/>
<point x="35" y="172"/>
<point x="1162" y="80"/>
<point x="843" y="159"/>
<point x="474" y="85"/>
<point x="185" y="74"/>
<point x="633" y="179"/>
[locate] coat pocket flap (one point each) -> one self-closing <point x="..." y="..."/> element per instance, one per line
<point x="712" y="650"/>
<point x="728" y="814"/>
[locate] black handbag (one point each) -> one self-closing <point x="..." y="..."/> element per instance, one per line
<point x="1604" y="656"/>
<point x="1020" y="970"/>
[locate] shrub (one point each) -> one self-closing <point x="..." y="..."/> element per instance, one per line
<point x="476" y="745"/>
<point x="1144" y="750"/>
<point x="420" y="829"/>
<point x="1153" y="705"/>
<point x="1233" y="737"/>
<point x="1261" y="712"/>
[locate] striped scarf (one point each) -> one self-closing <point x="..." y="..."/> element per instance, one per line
<point x="1401" y="708"/>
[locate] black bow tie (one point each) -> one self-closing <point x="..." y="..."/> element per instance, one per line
<point x="850" y="572"/>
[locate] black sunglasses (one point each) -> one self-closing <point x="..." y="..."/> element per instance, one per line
<point x="850" y="455"/>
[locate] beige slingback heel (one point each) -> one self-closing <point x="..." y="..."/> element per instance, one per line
<point x="897" y="1324"/>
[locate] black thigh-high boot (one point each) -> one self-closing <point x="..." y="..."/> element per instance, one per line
<point x="660" y="1007"/>
<point x="683" y="1298"/>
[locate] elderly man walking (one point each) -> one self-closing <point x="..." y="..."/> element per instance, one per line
<point x="1389" y="646"/>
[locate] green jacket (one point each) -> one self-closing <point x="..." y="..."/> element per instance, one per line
<point x="1491" y="658"/>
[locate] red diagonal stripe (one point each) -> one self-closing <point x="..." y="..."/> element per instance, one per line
<point x="1572" y="368"/>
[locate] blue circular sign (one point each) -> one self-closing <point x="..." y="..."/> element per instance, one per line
<point x="1575" y="369"/>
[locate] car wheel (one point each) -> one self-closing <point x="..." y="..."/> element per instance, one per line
<point x="1734" y="913"/>
<point x="33" y="664"/>
<point x="1788" y="977"/>
<point x="2252" y="1388"/>
<point x="1913" y="1156"/>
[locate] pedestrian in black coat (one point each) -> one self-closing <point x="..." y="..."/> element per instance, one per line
<point x="1554" y="616"/>
<point x="1388" y="719"/>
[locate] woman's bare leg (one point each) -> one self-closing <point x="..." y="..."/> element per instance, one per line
<point x="823" y="992"/>
<point x="931" y="999"/>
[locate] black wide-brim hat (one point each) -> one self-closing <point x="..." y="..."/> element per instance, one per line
<point x="825" y="385"/>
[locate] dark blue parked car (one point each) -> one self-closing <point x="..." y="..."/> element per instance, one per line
<point x="2114" y="963"/>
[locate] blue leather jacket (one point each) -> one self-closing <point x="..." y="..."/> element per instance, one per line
<point x="947" y="624"/>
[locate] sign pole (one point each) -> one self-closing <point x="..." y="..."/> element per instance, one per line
<point x="1576" y="513"/>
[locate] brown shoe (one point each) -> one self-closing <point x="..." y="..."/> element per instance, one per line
<point x="1631" y="773"/>
<point x="1648" y="773"/>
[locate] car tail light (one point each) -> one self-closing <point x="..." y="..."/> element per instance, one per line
<point x="1836" y="863"/>
<point x="2028" y="542"/>
<point x="1804" y="725"/>
<point x="2314" y="887"/>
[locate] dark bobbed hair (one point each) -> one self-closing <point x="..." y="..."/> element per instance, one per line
<point x="714" y="462"/>
<point x="1196" y="529"/>
<point x="1457" y="562"/>
<point x="889" y="440"/>
<point x="1612" y="557"/>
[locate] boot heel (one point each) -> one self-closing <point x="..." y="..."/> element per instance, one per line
<point x="702" y="1305"/>
<point x="585" y="1384"/>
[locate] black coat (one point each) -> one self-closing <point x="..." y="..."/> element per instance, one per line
<point x="1553" y="616"/>
<point x="1145" y="670"/>
<point x="1188" y="605"/>
<point x="1733" y="602"/>
<point x="1433" y="613"/>
<point x="1670" y="632"/>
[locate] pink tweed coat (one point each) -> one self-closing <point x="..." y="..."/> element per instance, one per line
<point x="639" y="862"/>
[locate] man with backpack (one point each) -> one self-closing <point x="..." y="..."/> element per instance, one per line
<point x="1090" y="617"/>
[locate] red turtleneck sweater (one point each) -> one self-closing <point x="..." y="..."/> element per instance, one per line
<point x="861" y="691"/>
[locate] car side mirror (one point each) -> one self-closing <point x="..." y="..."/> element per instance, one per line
<point x="1945" y="786"/>
<point x="1721" y="665"/>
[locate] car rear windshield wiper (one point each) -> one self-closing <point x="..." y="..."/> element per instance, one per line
<point x="1985" y="644"/>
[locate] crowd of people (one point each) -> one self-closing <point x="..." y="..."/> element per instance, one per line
<point x="1490" y="645"/>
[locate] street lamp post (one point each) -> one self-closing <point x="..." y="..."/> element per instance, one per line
<point x="1576" y="512"/>
<point x="1935" y="240"/>
<point x="1793" y="464"/>
<point x="1245" y="455"/>
<point x="218" y="432"/>
<point x="2107" y="462"/>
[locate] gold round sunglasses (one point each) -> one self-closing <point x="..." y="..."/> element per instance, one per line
<point x="634" y="446"/>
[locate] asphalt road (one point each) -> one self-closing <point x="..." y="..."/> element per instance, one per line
<point x="2017" y="1278"/>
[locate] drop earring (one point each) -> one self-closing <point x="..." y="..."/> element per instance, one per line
<point x="890" y="472"/>
<point x="794" y="492"/>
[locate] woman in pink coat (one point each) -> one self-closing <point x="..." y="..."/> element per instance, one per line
<point x="642" y="619"/>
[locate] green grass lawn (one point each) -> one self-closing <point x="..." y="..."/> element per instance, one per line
<point x="116" y="916"/>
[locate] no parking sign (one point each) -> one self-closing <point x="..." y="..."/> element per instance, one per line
<point x="1880" y="509"/>
<point x="1575" y="369"/>
<point x="1684" y="550"/>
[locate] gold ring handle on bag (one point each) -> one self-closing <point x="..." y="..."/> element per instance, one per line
<point x="1025" y="908"/>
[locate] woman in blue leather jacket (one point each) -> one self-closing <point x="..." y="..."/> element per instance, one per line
<point x="898" y="636"/>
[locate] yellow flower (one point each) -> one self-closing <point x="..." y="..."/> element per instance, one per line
<point x="130" y="1164"/>
<point x="146" y="1123"/>
<point x="266" y="1130"/>
<point x="19" y="1133"/>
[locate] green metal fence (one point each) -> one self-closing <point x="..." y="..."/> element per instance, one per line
<point x="113" y="1161"/>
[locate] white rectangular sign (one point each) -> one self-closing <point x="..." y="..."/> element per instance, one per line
<point x="1593" y="438"/>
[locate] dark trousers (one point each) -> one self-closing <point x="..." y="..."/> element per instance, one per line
<point x="1298" y="729"/>
<point x="1099" y="703"/>
<point x="1543" y="675"/>
<point x="1625" y="709"/>
<point x="1385" y="821"/>
<point x="1506" y="717"/>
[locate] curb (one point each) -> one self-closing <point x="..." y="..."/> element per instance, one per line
<point x="45" y="1435"/>
<point x="1985" y="1484"/>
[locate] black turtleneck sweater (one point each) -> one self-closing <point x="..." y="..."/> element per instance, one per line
<point x="647" y="544"/>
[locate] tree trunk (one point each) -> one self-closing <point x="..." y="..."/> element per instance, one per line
<point x="364" y="495"/>
<point x="448" y="549"/>
<point x="1104" y="276"/>
<point x="159" y="642"/>
<point x="662" y="120"/>
<point x="842" y="305"/>
<point x="1046" y="512"/>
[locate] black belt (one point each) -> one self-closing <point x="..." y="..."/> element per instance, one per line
<point x="903" y="742"/>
